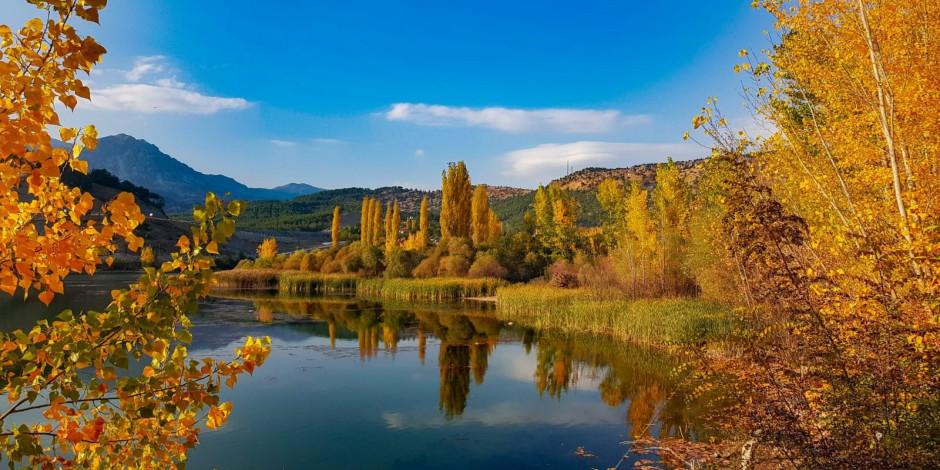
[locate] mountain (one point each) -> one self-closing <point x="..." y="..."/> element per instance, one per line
<point x="297" y="189"/>
<point x="143" y="164"/>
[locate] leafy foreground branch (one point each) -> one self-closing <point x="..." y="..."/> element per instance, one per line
<point x="108" y="420"/>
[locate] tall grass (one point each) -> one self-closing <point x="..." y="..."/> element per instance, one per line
<point x="305" y="283"/>
<point x="244" y="279"/>
<point x="654" y="321"/>
<point x="432" y="289"/>
<point x="299" y="283"/>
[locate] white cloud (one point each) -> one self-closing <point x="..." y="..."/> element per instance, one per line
<point x="146" y="65"/>
<point x="509" y="413"/>
<point x="170" y="82"/>
<point x="419" y="153"/>
<point x="144" y="98"/>
<point x="327" y="141"/>
<point x="572" y="121"/>
<point x="282" y="143"/>
<point x="550" y="160"/>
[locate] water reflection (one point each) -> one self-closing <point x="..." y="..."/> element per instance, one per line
<point x="466" y="337"/>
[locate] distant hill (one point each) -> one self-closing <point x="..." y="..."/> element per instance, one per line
<point x="297" y="189"/>
<point x="583" y="186"/>
<point x="143" y="164"/>
<point x="315" y="211"/>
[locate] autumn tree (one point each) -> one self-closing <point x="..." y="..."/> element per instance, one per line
<point x="611" y="197"/>
<point x="640" y="243"/>
<point x="375" y="225"/>
<point x="68" y="404"/>
<point x="480" y="215"/>
<point x="365" y="220"/>
<point x="267" y="249"/>
<point x="334" y="229"/>
<point x="423" y="221"/>
<point x="456" y="201"/>
<point x="833" y="227"/>
<point x="554" y="215"/>
<point x="392" y="225"/>
<point x="494" y="227"/>
<point x="670" y="201"/>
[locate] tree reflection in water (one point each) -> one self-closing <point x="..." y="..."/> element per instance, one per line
<point x="643" y="379"/>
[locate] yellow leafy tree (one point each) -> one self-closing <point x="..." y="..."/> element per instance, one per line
<point x="392" y="225"/>
<point x="365" y="220"/>
<point x="832" y="223"/>
<point x="423" y="221"/>
<point x="67" y="404"/>
<point x="494" y="227"/>
<point x="375" y="225"/>
<point x="267" y="249"/>
<point x="335" y="226"/>
<point x="480" y="215"/>
<point x="456" y="197"/>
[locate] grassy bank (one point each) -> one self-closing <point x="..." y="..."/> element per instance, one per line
<point x="303" y="283"/>
<point x="433" y="289"/>
<point x="243" y="279"/>
<point x="657" y="321"/>
<point x="298" y="283"/>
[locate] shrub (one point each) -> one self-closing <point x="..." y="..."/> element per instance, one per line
<point x="399" y="263"/>
<point x="293" y="260"/>
<point x="427" y="267"/>
<point x="563" y="274"/>
<point x="486" y="265"/>
<point x="454" y="266"/>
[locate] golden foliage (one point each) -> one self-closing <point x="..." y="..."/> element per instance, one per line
<point x="267" y="249"/>
<point x="335" y="226"/>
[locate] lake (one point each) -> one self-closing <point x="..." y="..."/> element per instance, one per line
<point x="358" y="383"/>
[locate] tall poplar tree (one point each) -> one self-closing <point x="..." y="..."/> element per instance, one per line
<point x="422" y="237"/>
<point x="479" y="215"/>
<point x="376" y="225"/>
<point x="365" y="223"/>
<point x="456" y="195"/>
<point x="334" y="232"/>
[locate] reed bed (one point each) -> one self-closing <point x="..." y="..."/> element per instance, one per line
<point x="248" y="279"/>
<point x="433" y="289"/>
<point x="306" y="283"/>
<point x="654" y="321"/>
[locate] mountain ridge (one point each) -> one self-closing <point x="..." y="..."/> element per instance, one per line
<point x="144" y="164"/>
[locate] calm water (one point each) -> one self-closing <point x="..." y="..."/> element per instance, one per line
<point x="353" y="383"/>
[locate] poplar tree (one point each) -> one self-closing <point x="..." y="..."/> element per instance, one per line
<point x="376" y="224"/>
<point x="422" y="237"/>
<point x="392" y="223"/>
<point x="365" y="230"/>
<point x="334" y="232"/>
<point x="480" y="213"/>
<point x="456" y="195"/>
<point x="494" y="228"/>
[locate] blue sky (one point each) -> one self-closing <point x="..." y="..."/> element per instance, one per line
<point x="373" y="93"/>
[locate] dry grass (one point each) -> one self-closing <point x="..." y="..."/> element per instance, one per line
<point x="653" y="321"/>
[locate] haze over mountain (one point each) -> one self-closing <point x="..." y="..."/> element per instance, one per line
<point x="143" y="164"/>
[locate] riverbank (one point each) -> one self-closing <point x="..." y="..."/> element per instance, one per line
<point x="299" y="283"/>
<point x="675" y="321"/>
